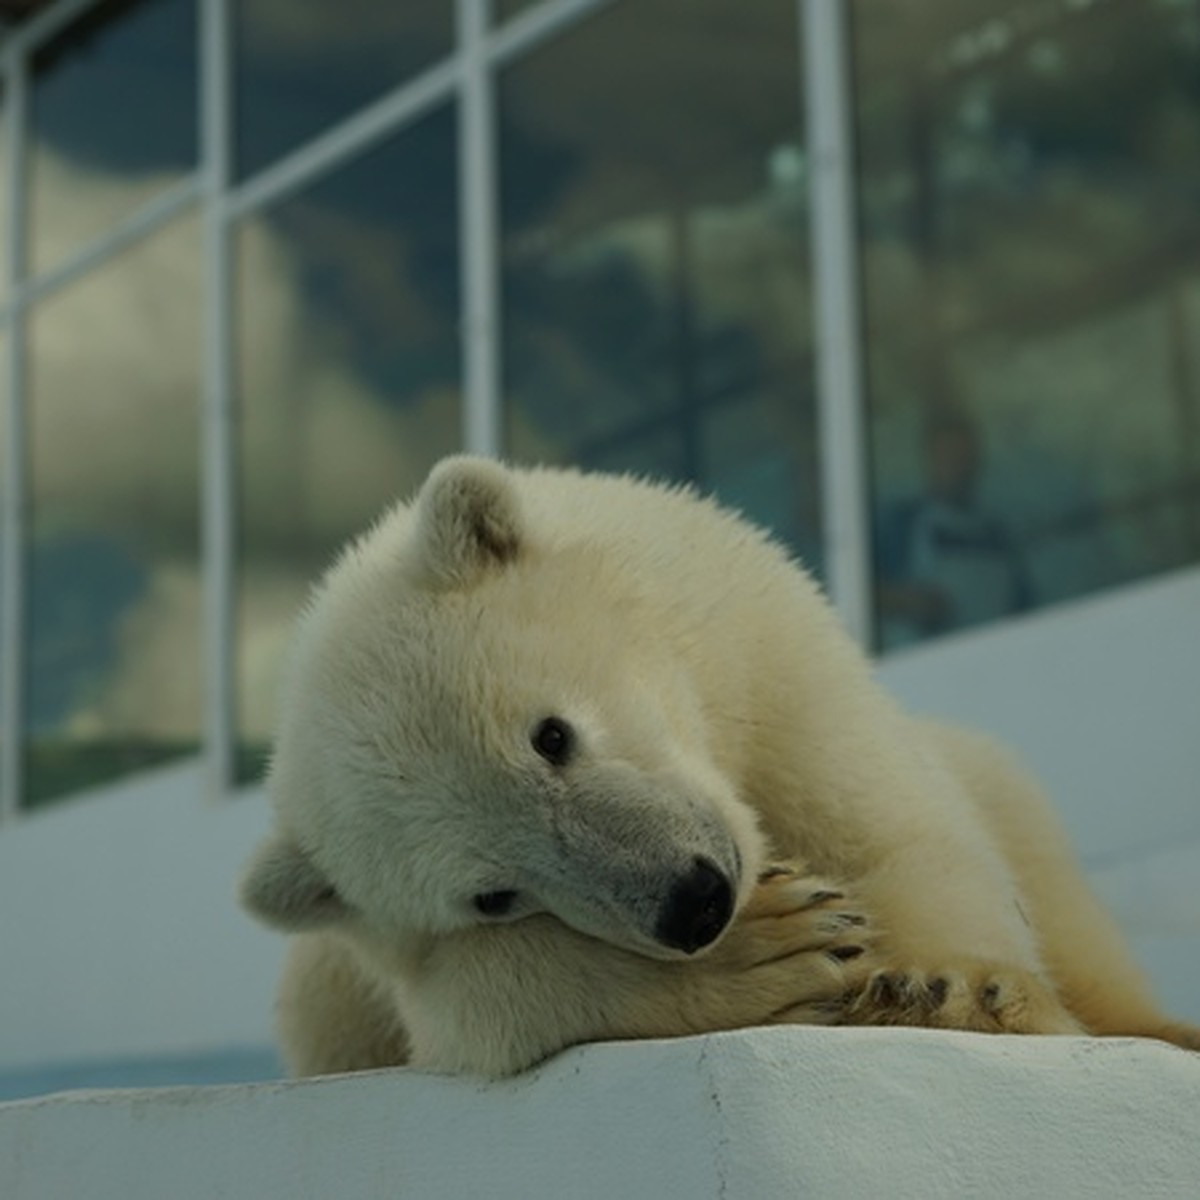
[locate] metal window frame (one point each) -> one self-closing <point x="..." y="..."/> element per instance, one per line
<point x="12" y="589"/>
<point x="218" y="449"/>
<point x="837" y="312"/>
<point x="477" y="234"/>
<point x="468" y="77"/>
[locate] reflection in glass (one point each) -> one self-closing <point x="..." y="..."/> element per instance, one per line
<point x="113" y="119"/>
<point x="655" y="258"/>
<point x="114" y="593"/>
<point x="3" y="501"/>
<point x="5" y="177"/>
<point x="503" y="9"/>
<point x="349" y="378"/>
<point x="1031" y="207"/>
<point x="299" y="68"/>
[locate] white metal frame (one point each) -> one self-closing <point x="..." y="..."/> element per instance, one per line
<point x="12" y="591"/>
<point x="478" y="246"/>
<point x="837" y="284"/>
<point x="217" y="443"/>
<point x="467" y="76"/>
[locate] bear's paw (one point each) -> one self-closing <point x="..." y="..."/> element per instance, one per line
<point x="797" y="950"/>
<point x="976" y="995"/>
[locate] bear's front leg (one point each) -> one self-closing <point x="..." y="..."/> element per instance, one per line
<point x="334" y="1014"/>
<point x="957" y="951"/>
<point x="495" y="1001"/>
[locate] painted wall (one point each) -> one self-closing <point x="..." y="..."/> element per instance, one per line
<point x="119" y="935"/>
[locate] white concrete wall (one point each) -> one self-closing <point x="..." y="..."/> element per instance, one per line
<point x="1101" y="697"/>
<point x="119" y="932"/>
<point x="742" y="1116"/>
<point x="119" y="935"/>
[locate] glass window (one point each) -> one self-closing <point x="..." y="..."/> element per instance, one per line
<point x="655" y="256"/>
<point x="4" y="393"/>
<point x="5" y="177"/>
<point x="349" y="379"/>
<point x="301" y="67"/>
<point x="113" y="120"/>
<point x="503" y="9"/>
<point x="114" y="587"/>
<point x="1030" y="209"/>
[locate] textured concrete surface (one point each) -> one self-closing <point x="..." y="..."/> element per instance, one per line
<point x="741" y="1116"/>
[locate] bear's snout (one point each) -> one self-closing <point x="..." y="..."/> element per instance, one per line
<point x="697" y="909"/>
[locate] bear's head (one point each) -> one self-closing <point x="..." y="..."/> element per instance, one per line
<point x="490" y="716"/>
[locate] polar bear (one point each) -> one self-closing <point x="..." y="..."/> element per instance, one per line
<point x="544" y="738"/>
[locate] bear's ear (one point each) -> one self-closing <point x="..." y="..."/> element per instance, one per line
<point x="284" y="888"/>
<point x="468" y="521"/>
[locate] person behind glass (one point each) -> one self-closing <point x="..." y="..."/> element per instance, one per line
<point x="943" y="560"/>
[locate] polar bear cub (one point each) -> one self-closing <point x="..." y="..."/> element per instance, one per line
<point x="545" y="736"/>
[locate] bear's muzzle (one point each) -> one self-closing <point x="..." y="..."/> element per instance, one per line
<point x="697" y="908"/>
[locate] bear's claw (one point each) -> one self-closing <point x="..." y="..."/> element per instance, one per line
<point x="979" y="996"/>
<point x="799" y="942"/>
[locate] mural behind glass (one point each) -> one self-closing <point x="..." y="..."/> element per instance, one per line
<point x="300" y="68"/>
<point x="112" y="118"/>
<point x="656" y="291"/>
<point x="113" y="600"/>
<point x="1031" y="212"/>
<point x="1030" y="184"/>
<point x="348" y="383"/>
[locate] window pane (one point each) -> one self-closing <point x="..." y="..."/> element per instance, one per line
<point x="113" y="120"/>
<point x="114" y="590"/>
<point x="301" y="67"/>
<point x="655" y="255"/>
<point x="5" y="176"/>
<point x="348" y="331"/>
<point x="503" y="9"/>
<point x="4" y="368"/>
<point x="1031" y="208"/>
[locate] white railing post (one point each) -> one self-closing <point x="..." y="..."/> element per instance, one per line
<point x="14" y="178"/>
<point x="217" y="445"/>
<point x="478" y="199"/>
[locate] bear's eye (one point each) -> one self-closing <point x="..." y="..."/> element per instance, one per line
<point x="495" y="904"/>
<point x="554" y="739"/>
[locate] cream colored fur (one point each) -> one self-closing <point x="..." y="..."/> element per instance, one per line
<point x="719" y="711"/>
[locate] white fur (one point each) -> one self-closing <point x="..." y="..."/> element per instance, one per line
<point x="720" y="711"/>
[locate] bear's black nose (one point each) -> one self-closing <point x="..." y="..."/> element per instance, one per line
<point x="697" y="909"/>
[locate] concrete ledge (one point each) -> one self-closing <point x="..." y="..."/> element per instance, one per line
<point x="743" y="1116"/>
